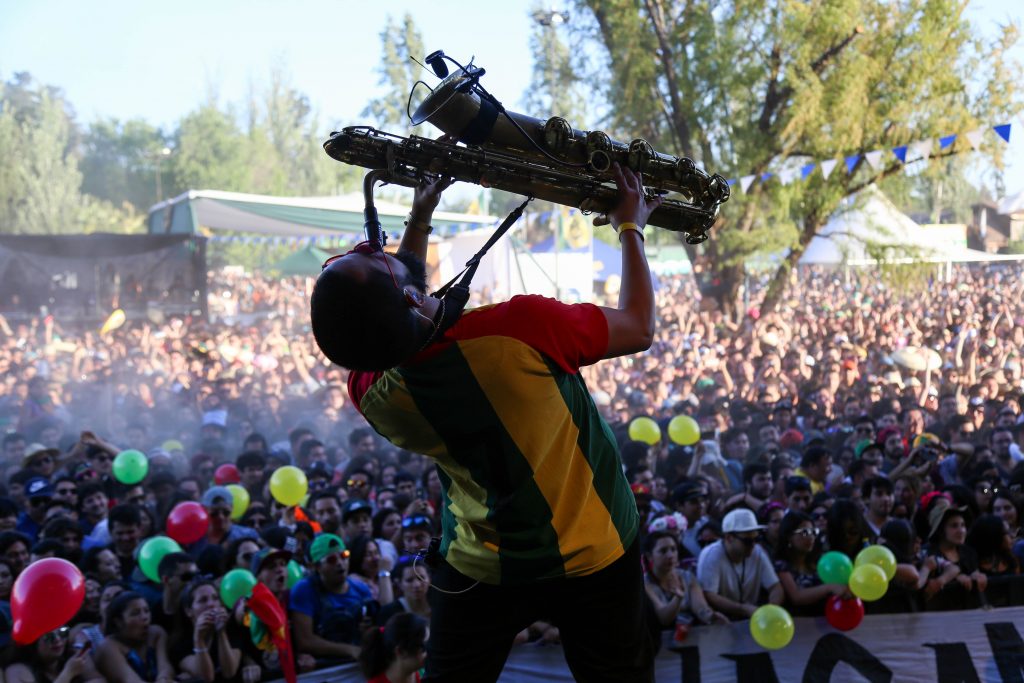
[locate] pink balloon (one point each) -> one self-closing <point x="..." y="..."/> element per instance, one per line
<point x="187" y="522"/>
<point x="45" y="597"/>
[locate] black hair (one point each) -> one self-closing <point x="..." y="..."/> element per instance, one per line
<point x="259" y="438"/>
<point x="307" y="446"/>
<point x="752" y="470"/>
<point x="405" y="631"/>
<point x="21" y="477"/>
<point x="361" y="321"/>
<point x="13" y="437"/>
<point x="986" y="537"/>
<point x="56" y="528"/>
<point x="251" y="459"/>
<point x="116" y="609"/>
<point x="652" y="540"/>
<point x="125" y="513"/>
<point x="898" y="536"/>
<point x="48" y="545"/>
<point x="790" y="523"/>
<point x="814" y="455"/>
<point x="170" y="562"/>
<point x="9" y="538"/>
<point x="842" y="511"/>
<point x="8" y="507"/>
<point x="403" y="475"/>
<point x="880" y="483"/>
<point x="358" y="547"/>
<point x="796" y="483"/>
<point x="380" y="517"/>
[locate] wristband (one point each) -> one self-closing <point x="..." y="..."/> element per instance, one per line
<point x="416" y="223"/>
<point x="623" y="227"/>
<point x="384" y="575"/>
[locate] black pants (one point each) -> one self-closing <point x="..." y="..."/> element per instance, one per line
<point x="601" y="618"/>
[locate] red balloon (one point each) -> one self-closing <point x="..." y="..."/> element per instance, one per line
<point x="844" y="615"/>
<point x="227" y="474"/>
<point x="187" y="522"/>
<point x="45" y="597"/>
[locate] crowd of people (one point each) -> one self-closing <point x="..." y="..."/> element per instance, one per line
<point x="815" y="435"/>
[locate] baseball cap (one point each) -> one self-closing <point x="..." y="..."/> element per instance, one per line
<point x="354" y="506"/>
<point x="324" y="545"/>
<point x="216" y="494"/>
<point x="687" y="491"/>
<point x="739" y="521"/>
<point x="38" y="487"/>
<point x="267" y="554"/>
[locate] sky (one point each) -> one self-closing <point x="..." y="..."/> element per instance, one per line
<point x="157" y="61"/>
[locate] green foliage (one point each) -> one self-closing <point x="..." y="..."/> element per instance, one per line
<point x="211" y="152"/>
<point x="120" y="161"/>
<point x="556" y="86"/>
<point x="400" y="42"/>
<point x="768" y="85"/>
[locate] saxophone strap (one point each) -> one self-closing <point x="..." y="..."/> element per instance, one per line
<point x="456" y="291"/>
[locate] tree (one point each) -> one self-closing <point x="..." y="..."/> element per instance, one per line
<point x="39" y="181"/>
<point x="761" y="87"/>
<point x="120" y="162"/>
<point x="211" y="152"/>
<point x="400" y="42"/>
<point x="556" y="85"/>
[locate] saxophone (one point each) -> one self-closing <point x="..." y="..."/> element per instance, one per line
<point x="547" y="160"/>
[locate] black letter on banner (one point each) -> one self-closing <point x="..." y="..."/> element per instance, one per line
<point x="833" y="648"/>
<point x="755" y="668"/>
<point x="953" y="663"/>
<point x="690" y="657"/>
<point x="1008" y="649"/>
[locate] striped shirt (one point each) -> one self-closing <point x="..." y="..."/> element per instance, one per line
<point x="531" y="474"/>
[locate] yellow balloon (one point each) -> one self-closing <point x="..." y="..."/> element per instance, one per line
<point x="288" y="485"/>
<point x="880" y="556"/>
<point x="772" y="627"/>
<point x="645" y="429"/>
<point x="684" y="430"/>
<point x="240" y="501"/>
<point x="868" y="582"/>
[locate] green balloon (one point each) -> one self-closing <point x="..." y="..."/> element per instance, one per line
<point x="154" y="550"/>
<point x="236" y="584"/>
<point x="835" y="567"/>
<point x="772" y="627"/>
<point x="295" y="573"/>
<point x="130" y="466"/>
<point x="879" y="556"/>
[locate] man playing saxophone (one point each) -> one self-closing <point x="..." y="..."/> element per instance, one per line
<point x="538" y="521"/>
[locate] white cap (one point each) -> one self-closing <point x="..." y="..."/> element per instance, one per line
<point x="740" y="520"/>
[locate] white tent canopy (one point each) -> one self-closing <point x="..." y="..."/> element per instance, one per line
<point x="869" y="228"/>
<point x="215" y="210"/>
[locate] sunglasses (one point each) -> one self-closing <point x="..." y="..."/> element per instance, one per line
<point x="335" y="558"/>
<point x="811" y="531"/>
<point x="355" y="483"/>
<point x="417" y="520"/>
<point x="187" y="577"/>
<point x="56" y="636"/>
<point x="219" y="512"/>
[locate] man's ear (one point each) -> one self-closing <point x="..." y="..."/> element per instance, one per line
<point x="413" y="297"/>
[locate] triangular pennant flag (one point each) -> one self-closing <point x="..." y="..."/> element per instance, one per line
<point x="731" y="181"/>
<point x="946" y="141"/>
<point x="827" y="166"/>
<point x="875" y="159"/>
<point x="900" y="152"/>
<point x="1003" y="131"/>
<point x="806" y="171"/>
<point x="765" y="177"/>
<point x="851" y="162"/>
<point x="745" y="182"/>
<point x="924" y="148"/>
<point x="974" y="137"/>
<point x="786" y="176"/>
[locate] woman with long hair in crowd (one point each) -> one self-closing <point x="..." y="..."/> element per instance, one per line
<point x="371" y="568"/>
<point x="412" y="581"/>
<point x="239" y="554"/>
<point x="796" y="563"/>
<point x="52" y="659"/>
<point x="847" y="530"/>
<point x="94" y="633"/>
<point x="675" y="593"/>
<point x="991" y="541"/>
<point x="953" y="559"/>
<point x="395" y="652"/>
<point x="134" y="650"/>
<point x="1005" y="507"/>
<point x="205" y="651"/>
